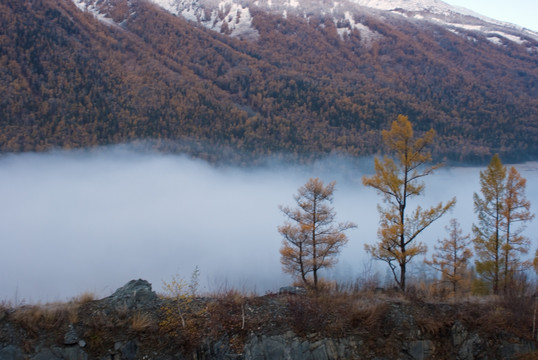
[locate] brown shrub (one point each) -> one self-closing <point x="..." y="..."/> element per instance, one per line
<point x="334" y="314"/>
<point x="226" y="313"/>
<point x="305" y="314"/>
<point x="370" y="315"/>
<point x="496" y="315"/>
<point x="518" y="315"/>
<point x="183" y="322"/>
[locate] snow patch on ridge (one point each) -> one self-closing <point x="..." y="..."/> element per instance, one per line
<point x="233" y="17"/>
<point x="90" y="6"/>
<point x="444" y="14"/>
<point x="495" y="40"/>
<point x="510" y="37"/>
<point x="346" y="26"/>
<point x="228" y="17"/>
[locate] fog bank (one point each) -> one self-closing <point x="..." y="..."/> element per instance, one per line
<point x="72" y="222"/>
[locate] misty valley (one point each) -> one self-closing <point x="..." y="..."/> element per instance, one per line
<point x="77" y="221"/>
<point x="242" y="180"/>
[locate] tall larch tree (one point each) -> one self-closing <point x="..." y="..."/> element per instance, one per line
<point x="515" y="213"/>
<point x="487" y="233"/>
<point x="311" y="237"/>
<point x="398" y="180"/>
<point x="452" y="257"/>
<point x="503" y="211"/>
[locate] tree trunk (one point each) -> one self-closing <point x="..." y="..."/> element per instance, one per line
<point x="402" y="277"/>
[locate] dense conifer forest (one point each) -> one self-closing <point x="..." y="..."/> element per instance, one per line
<point x="69" y="80"/>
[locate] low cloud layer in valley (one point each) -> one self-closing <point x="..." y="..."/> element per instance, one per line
<point x="72" y="222"/>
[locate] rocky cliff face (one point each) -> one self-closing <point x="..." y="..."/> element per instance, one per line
<point x="133" y="324"/>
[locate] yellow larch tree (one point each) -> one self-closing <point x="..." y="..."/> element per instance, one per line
<point x="312" y="239"/>
<point x="452" y="256"/>
<point x="397" y="180"/>
<point x="503" y="211"/>
<point x="487" y="234"/>
<point x="515" y="213"/>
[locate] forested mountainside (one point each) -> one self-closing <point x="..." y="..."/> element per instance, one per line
<point x="72" y="79"/>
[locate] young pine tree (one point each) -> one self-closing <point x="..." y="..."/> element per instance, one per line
<point x="312" y="239"/>
<point x="452" y="256"/>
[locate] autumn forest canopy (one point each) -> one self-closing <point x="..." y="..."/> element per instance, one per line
<point x="68" y="81"/>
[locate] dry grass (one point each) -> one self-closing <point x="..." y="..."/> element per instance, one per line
<point x="36" y="318"/>
<point x="39" y="317"/>
<point x="122" y="312"/>
<point x="336" y="314"/>
<point x="84" y="298"/>
<point x="4" y="308"/>
<point x="142" y="322"/>
<point x="370" y="316"/>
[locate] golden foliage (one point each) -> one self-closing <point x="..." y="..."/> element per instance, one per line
<point x="498" y="240"/>
<point x="312" y="240"/>
<point x="181" y="316"/>
<point x="397" y="181"/>
<point x="70" y="81"/>
<point x="451" y="258"/>
<point x="180" y="300"/>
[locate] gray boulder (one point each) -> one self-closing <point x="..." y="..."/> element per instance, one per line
<point x="134" y="294"/>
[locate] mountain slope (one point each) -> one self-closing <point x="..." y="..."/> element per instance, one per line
<point x="234" y="17"/>
<point x="287" y="82"/>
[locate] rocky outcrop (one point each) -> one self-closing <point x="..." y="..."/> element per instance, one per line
<point x="134" y="294"/>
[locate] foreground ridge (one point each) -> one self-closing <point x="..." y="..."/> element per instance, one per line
<point x="133" y="323"/>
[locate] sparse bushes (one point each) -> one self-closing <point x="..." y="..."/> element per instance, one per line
<point x="227" y="314"/>
<point x="104" y="324"/>
<point x="181" y="316"/>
